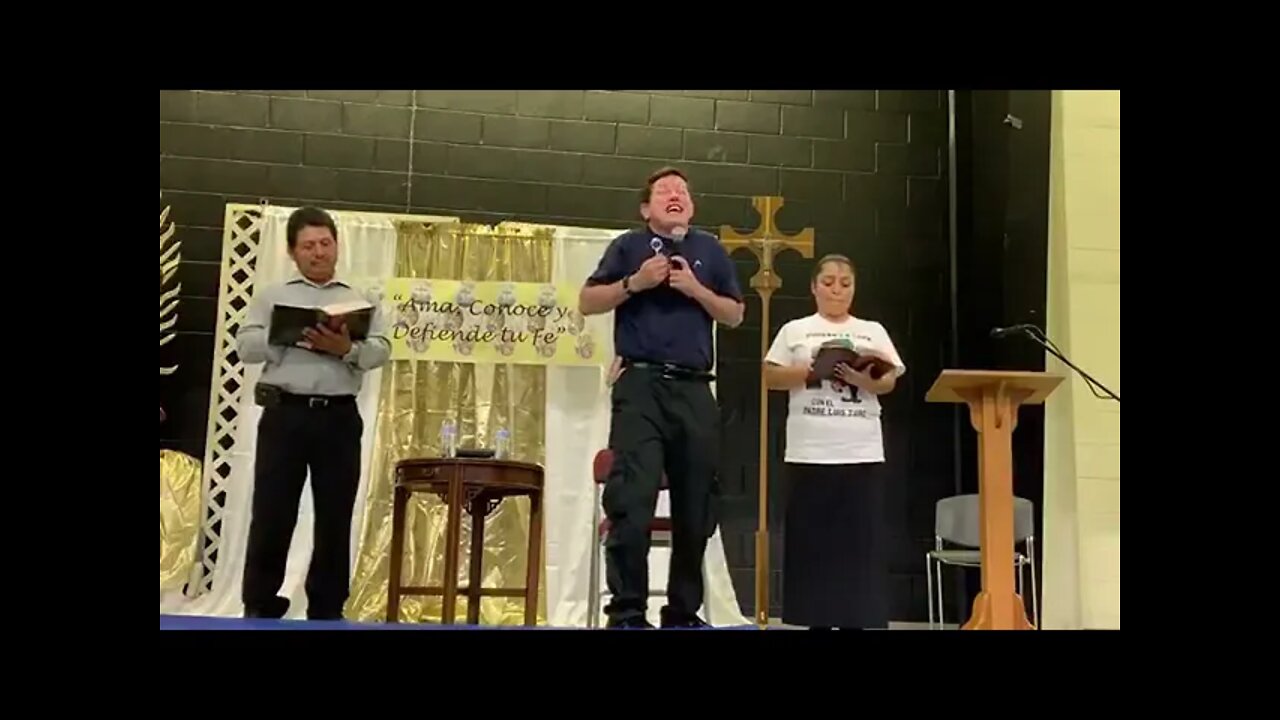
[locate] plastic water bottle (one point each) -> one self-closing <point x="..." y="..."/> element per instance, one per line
<point x="502" y="442"/>
<point x="449" y="437"/>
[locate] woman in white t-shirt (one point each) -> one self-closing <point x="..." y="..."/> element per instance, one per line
<point x="835" y="569"/>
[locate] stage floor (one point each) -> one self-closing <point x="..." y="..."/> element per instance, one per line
<point x="203" y="622"/>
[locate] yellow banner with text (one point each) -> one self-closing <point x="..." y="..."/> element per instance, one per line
<point x="490" y="322"/>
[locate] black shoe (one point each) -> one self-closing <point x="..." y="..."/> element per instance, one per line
<point x="683" y="621"/>
<point x="273" y="609"/>
<point x="325" y="616"/>
<point x="635" y="622"/>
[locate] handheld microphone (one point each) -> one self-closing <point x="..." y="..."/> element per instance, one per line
<point x="659" y="242"/>
<point x="677" y="238"/>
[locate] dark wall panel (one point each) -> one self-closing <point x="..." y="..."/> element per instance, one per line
<point x="1003" y="204"/>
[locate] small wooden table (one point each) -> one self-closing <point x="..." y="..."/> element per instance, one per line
<point x="479" y="485"/>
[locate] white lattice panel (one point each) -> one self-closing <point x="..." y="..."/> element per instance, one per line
<point x="241" y="227"/>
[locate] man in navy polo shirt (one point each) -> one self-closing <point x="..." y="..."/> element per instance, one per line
<point x="667" y="285"/>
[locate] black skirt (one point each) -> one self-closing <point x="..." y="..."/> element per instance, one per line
<point x="835" y="573"/>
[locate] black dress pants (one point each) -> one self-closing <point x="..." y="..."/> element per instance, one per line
<point x="660" y="424"/>
<point x="293" y="438"/>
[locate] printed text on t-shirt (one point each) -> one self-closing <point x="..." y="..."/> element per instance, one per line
<point x="827" y="408"/>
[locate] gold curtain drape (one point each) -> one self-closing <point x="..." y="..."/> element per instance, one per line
<point x="179" y="517"/>
<point x="416" y="396"/>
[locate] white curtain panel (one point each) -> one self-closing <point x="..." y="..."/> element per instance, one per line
<point x="578" y="415"/>
<point x="366" y="257"/>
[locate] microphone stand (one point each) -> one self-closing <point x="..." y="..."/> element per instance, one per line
<point x="1043" y="340"/>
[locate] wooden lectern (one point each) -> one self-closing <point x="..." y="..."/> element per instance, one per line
<point x="993" y="397"/>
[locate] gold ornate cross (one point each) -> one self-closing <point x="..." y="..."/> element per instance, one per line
<point x="764" y="242"/>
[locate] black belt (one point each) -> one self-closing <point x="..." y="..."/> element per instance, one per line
<point x="670" y="371"/>
<point x="317" y="401"/>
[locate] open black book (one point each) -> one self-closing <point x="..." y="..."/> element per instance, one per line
<point x="288" y="321"/>
<point x="834" y="352"/>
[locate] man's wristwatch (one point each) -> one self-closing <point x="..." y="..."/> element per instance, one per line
<point x="626" y="284"/>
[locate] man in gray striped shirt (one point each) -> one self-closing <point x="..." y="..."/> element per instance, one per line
<point x="309" y="421"/>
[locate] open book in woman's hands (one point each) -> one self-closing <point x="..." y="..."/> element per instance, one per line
<point x="835" y="352"/>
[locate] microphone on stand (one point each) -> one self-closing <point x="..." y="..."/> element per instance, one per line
<point x="1002" y="332"/>
<point x="1038" y="335"/>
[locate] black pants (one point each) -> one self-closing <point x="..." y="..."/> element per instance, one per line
<point x="660" y="425"/>
<point x="291" y="439"/>
<point x="835" y="561"/>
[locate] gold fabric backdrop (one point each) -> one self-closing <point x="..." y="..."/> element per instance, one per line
<point x="416" y="396"/>
<point x="179" y="517"/>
